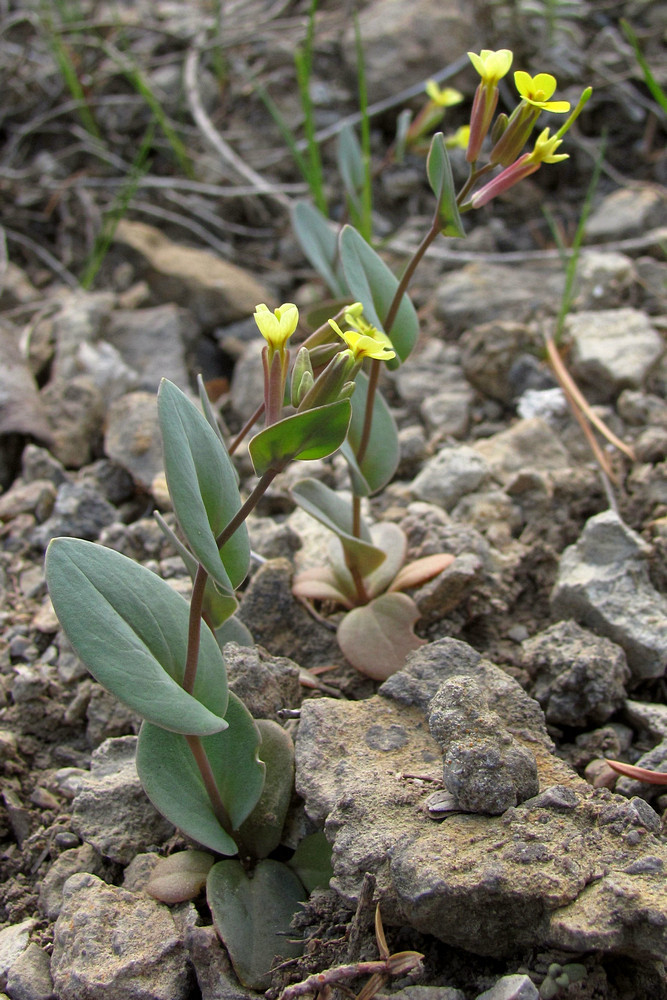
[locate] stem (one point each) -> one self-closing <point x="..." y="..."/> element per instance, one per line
<point x="248" y="425"/>
<point x="473" y="177"/>
<point x="194" y="629"/>
<point x="357" y="578"/>
<point x="210" y="784"/>
<point x="253" y="499"/>
<point x="408" y="273"/>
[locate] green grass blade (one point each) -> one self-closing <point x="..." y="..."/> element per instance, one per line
<point x="656" y="90"/>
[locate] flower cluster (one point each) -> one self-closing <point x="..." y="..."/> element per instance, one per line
<point x="509" y="134"/>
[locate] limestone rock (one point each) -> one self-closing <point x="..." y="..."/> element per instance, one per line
<point x="627" y="212"/>
<point x="485" y="293"/>
<point x="111" y="811"/>
<point x="603" y="583"/>
<point x="570" y="867"/>
<point x="264" y="683"/>
<point x="613" y="349"/>
<point x="527" y="444"/>
<point x="133" y="438"/>
<point x="579" y="677"/>
<point x="215" y="291"/>
<point x="452" y="473"/>
<point x="485" y="768"/>
<point x="110" y="944"/>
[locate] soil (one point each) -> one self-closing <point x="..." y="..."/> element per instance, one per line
<point x="58" y="182"/>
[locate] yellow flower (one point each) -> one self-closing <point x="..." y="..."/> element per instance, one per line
<point x="544" y="150"/>
<point x="278" y="326"/>
<point x="537" y="90"/>
<point x="364" y="340"/>
<point x="459" y="139"/>
<point x="444" y="97"/>
<point x="491" y="66"/>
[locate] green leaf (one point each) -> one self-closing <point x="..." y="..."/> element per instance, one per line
<point x="130" y="629"/>
<point x="304" y="436"/>
<point x="172" y="781"/>
<point x="373" y="284"/>
<point x="377" y="637"/>
<point x="383" y="452"/>
<point x="203" y="488"/>
<point x="233" y="630"/>
<point x="439" y="171"/>
<point x="253" y="914"/>
<point x="351" y="167"/>
<point x="180" y="876"/>
<point x="335" y="513"/>
<point x="312" y="861"/>
<point x="217" y="606"/>
<point x="262" y="830"/>
<point x="319" y="242"/>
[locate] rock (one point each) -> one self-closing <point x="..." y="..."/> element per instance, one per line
<point x="528" y="442"/>
<point x="214" y="291"/>
<point x="489" y="354"/>
<point x="423" y="36"/>
<point x="627" y="212"/>
<point x="77" y="859"/>
<point x="142" y="336"/>
<point x="517" y="987"/>
<point x="79" y="512"/>
<point x="81" y="319"/>
<point x="545" y="873"/>
<point x="30" y="976"/>
<point x="603" y="279"/>
<point x="485" y="768"/>
<point x="603" y="583"/>
<point x="38" y="463"/>
<point x="111" y="811"/>
<point x="486" y="293"/>
<point x="437" y="597"/>
<point x="215" y="976"/>
<point x="13" y="942"/>
<point x="264" y="683"/>
<point x="613" y="349"/>
<point x="74" y="407"/>
<point x="133" y="438"/>
<point x="579" y="677"/>
<point x="110" y="944"/>
<point x="647" y="717"/>
<point x="36" y="497"/>
<point x="434" y="367"/>
<point x="282" y="625"/>
<point x="247" y="390"/>
<point x="428" y="993"/>
<point x="447" y="413"/>
<point x="654" y="760"/>
<point x="452" y="473"/>
<point x="429" y="530"/>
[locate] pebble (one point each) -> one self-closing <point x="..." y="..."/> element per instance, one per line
<point x="528" y="442"/>
<point x="132" y="437"/>
<point x="612" y="349"/>
<point x="30" y="976"/>
<point x="79" y="511"/>
<point x="453" y="472"/>
<point x="13" y="942"/>
<point x="603" y="583"/>
<point x="516" y="987"/>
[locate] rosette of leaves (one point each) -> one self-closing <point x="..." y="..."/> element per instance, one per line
<point x="220" y="776"/>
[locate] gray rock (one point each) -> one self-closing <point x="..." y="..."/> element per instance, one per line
<point x="215" y="291"/>
<point x="264" y="683"/>
<point x="654" y="760"/>
<point x="603" y="279"/>
<point x="579" y="677"/>
<point x="528" y="443"/>
<point x="423" y="36"/>
<point x="106" y="717"/>
<point x="79" y="511"/>
<point x="452" y="473"/>
<point x="279" y="623"/>
<point x="426" y="670"/>
<point x="517" y="987"/>
<point x="413" y="449"/>
<point x="36" y="497"/>
<point x="627" y="212"/>
<point x="434" y="368"/>
<point x="74" y="408"/>
<point x="78" y="859"/>
<point x="133" y="438"/>
<point x="429" y="530"/>
<point x="111" y="811"/>
<point x="484" y="768"/>
<point x="215" y="976"/>
<point x="489" y="354"/>
<point x="545" y="873"/>
<point x="14" y="940"/>
<point x="428" y="993"/>
<point x="30" y="976"/>
<point x="247" y="390"/>
<point x="38" y="463"/>
<point x="82" y="319"/>
<point x="640" y="409"/>
<point x="437" y="597"/>
<point x="447" y="413"/>
<point x="603" y="583"/>
<point x="105" y="366"/>
<point x="647" y="717"/>
<point x="110" y="944"/>
<point x="485" y="293"/>
<point x="142" y="335"/>
<point x="613" y="349"/>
